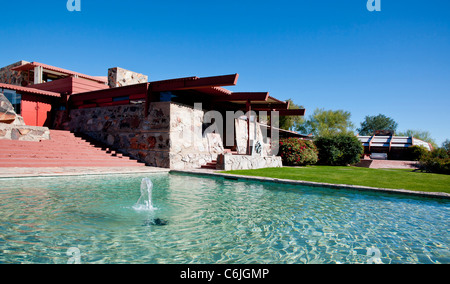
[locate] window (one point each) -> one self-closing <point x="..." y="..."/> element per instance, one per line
<point x="15" y="99"/>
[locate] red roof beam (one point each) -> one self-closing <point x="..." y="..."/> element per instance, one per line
<point x="270" y="107"/>
<point x="111" y="93"/>
<point x="194" y="83"/>
<point x="28" y="90"/>
<point x="291" y="112"/>
<point x="242" y="97"/>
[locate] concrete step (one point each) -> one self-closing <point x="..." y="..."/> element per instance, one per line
<point x="210" y="165"/>
<point x="54" y="154"/>
<point x="63" y="150"/>
<point x="51" y="164"/>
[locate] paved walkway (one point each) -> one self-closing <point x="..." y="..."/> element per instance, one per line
<point x="72" y="171"/>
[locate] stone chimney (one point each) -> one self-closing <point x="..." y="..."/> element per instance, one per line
<point x="119" y="77"/>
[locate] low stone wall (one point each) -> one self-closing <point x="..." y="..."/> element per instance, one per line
<point x="23" y="132"/>
<point x="244" y="162"/>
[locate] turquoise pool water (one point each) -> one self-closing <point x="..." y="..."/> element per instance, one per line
<point x="214" y="220"/>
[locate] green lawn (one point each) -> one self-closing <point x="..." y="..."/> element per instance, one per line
<point x="383" y="178"/>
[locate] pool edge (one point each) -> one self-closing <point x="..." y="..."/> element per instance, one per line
<point x="76" y="171"/>
<point x="441" y="195"/>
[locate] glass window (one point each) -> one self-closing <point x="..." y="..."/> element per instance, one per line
<point x="15" y="99"/>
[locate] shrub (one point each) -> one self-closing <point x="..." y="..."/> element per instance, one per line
<point x="436" y="161"/>
<point x="416" y="153"/>
<point x="339" y="150"/>
<point x="297" y="152"/>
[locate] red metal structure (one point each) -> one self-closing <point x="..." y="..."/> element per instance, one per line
<point x="36" y="104"/>
<point x="56" y="88"/>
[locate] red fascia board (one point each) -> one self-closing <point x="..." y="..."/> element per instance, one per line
<point x="291" y="112"/>
<point x="29" y="90"/>
<point x="242" y="97"/>
<point x="194" y="83"/>
<point x="111" y="93"/>
<point x="61" y="86"/>
<point x="270" y="107"/>
<point x="214" y="91"/>
<point x="278" y="101"/>
<point x="71" y="85"/>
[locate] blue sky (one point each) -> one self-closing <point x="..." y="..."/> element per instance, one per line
<point x="323" y="54"/>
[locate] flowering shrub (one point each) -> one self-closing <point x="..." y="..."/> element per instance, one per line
<point x="297" y="152"/>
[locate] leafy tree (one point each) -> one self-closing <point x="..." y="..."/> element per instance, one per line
<point x="419" y="134"/>
<point x="446" y="146"/>
<point x="326" y="122"/>
<point x="291" y="122"/>
<point x="378" y="122"/>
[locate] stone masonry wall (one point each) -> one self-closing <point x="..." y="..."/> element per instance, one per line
<point x="119" y="77"/>
<point x="190" y="148"/>
<point x="8" y="76"/>
<point x="245" y="162"/>
<point x="125" y="127"/>
<point x="169" y="137"/>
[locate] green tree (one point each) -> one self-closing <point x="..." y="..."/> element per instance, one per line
<point x="446" y="146"/>
<point x="291" y="122"/>
<point x="326" y="122"/>
<point x="378" y="122"/>
<point x="420" y="134"/>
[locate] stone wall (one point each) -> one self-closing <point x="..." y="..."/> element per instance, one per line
<point x="125" y="128"/>
<point x="119" y="77"/>
<point x="8" y="76"/>
<point x="190" y="148"/>
<point x="169" y="137"/>
<point x="258" y="134"/>
<point x="23" y="132"/>
<point x="244" y="162"/>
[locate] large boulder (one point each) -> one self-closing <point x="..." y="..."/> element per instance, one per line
<point x="7" y="113"/>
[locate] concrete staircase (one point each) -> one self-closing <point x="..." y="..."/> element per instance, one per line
<point x="211" y="165"/>
<point x="64" y="149"/>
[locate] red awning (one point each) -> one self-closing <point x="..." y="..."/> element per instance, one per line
<point x="28" y="90"/>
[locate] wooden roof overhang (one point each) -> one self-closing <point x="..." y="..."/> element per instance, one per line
<point x="259" y="102"/>
<point x="210" y="86"/>
<point x="207" y="90"/>
<point x="28" y="90"/>
<point x="58" y="71"/>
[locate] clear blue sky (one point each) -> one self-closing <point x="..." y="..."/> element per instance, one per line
<point x="323" y="54"/>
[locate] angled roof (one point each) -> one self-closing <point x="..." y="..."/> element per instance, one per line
<point x="392" y="142"/>
<point x="32" y="65"/>
<point x="28" y="90"/>
<point x="206" y="88"/>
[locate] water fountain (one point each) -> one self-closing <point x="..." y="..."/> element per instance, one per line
<point x="145" y="201"/>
